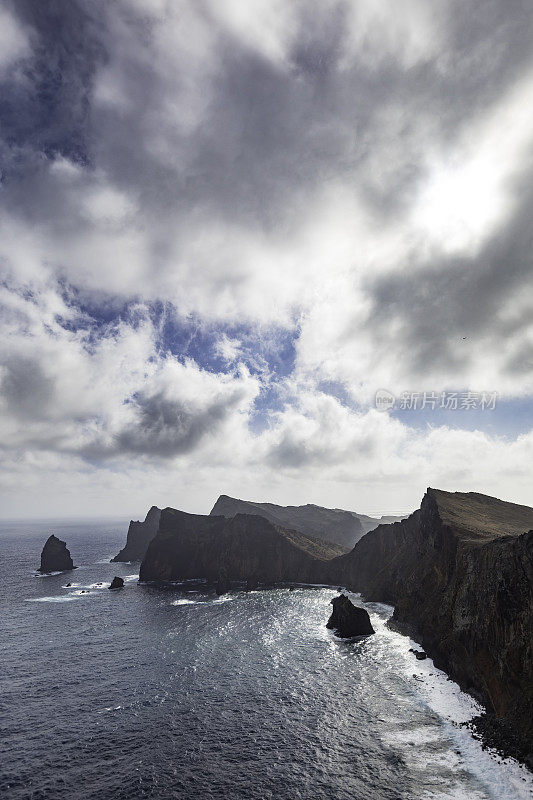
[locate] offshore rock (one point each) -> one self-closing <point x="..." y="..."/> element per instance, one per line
<point x="459" y="572"/>
<point x="55" y="556"/>
<point x="348" y="620"/>
<point x="117" y="583"/>
<point x="140" y="534"/>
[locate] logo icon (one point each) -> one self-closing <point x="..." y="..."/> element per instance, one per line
<point x="385" y="400"/>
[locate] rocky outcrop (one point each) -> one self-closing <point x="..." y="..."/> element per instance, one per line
<point x="243" y="548"/>
<point x="348" y="620"/>
<point x="459" y="572"/>
<point x="343" y="528"/>
<point x="140" y="534"/>
<point x="117" y="583"/>
<point x="55" y="556"/>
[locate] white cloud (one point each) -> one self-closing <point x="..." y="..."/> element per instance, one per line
<point x="14" y="40"/>
<point x="351" y="178"/>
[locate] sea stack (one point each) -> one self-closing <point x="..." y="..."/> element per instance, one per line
<point x="348" y="620"/>
<point x="117" y="583"/>
<point x="55" y="556"/>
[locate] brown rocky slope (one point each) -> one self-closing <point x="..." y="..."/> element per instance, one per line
<point x="329" y="524"/>
<point x="459" y="572"/>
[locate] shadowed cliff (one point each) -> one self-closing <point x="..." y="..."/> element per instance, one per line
<point x="333" y="525"/>
<point x="140" y="534"/>
<point x="459" y="571"/>
<point x="245" y="547"/>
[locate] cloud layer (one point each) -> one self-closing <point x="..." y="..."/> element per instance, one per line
<point x="225" y="225"/>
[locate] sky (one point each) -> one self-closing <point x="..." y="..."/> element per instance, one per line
<point x="226" y="226"/>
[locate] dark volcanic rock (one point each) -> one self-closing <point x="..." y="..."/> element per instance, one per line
<point x="459" y="572"/>
<point x="243" y="548"/>
<point x="342" y="528"/>
<point x="55" y="556"/>
<point x="140" y="534"/>
<point x="418" y="654"/>
<point x="348" y="620"/>
<point x="117" y="583"/>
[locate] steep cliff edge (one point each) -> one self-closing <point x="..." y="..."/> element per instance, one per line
<point x="140" y="534"/>
<point x="459" y="571"/>
<point x="343" y="528"/>
<point x="245" y="547"/>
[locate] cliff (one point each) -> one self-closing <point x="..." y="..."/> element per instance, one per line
<point x="343" y="528"/>
<point x="55" y="556"/>
<point x="140" y="534"/>
<point x="459" y="572"/>
<point x="244" y="547"/>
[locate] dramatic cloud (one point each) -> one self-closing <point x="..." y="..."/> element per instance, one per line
<point x="224" y="225"/>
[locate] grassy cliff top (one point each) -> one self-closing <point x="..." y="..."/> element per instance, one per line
<point x="481" y="516"/>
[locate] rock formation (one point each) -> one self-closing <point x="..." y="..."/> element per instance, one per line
<point x="140" y="534"/>
<point x="117" y="583"/>
<point x="55" y="556"/>
<point x="243" y="548"/>
<point x="348" y="620"/>
<point x="332" y="525"/>
<point x="459" y="572"/>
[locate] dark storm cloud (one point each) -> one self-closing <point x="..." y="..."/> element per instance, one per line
<point x="26" y="390"/>
<point x="270" y="135"/>
<point x="47" y="110"/>
<point x="167" y="428"/>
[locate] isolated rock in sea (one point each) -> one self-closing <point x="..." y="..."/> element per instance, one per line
<point x="348" y="620"/>
<point x="117" y="583"/>
<point x="55" y="556"/>
<point x="420" y="655"/>
<point x="459" y="573"/>
<point x="140" y="534"/>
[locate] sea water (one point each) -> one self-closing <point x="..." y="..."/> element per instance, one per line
<point x="176" y="693"/>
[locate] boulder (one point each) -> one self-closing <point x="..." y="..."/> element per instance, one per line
<point x="348" y="620"/>
<point x="55" y="556"/>
<point x="419" y="654"/>
<point x="117" y="583"/>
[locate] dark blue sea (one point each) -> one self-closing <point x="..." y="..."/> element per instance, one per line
<point x="150" y="693"/>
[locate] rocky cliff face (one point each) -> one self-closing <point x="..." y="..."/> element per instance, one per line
<point x="244" y="547"/>
<point x="343" y="528"/>
<point x="459" y="571"/>
<point x="140" y="534"/>
<point x="55" y="556"/>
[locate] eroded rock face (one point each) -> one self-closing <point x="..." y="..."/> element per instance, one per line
<point x="55" y="556"/>
<point x="348" y="620"/>
<point x="243" y="548"/>
<point x="342" y="528"/>
<point x="459" y="572"/>
<point x="140" y="534"/>
<point x="117" y="583"/>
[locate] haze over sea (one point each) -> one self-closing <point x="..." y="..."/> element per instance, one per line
<point x="179" y="694"/>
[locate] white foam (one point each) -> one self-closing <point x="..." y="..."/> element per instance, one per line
<point x="502" y="778"/>
<point x="184" y="602"/>
<point x="64" y="599"/>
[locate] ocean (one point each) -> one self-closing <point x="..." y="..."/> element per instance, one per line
<point x="175" y="693"/>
